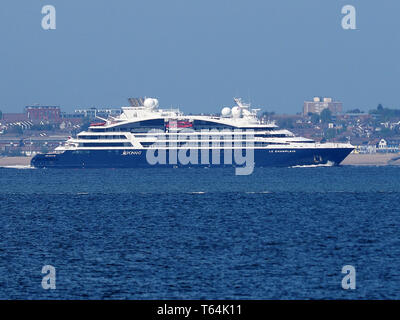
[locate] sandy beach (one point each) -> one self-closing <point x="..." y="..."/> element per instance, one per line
<point x="15" y="161"/>
<point x="376" y="159"/>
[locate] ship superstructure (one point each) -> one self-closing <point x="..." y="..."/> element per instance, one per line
<point x="127" y="140"/>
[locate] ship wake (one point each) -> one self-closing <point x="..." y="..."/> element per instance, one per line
<point x="328" y="164"/>
<point x="18" y="167"/>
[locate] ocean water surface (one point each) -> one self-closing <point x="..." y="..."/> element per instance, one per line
<point x="280" y="233"/>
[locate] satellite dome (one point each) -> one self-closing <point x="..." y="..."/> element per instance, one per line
<point x="155" y="102"/>
<point x="150" y="103"/>
<point x="226" y="112"/>
<point x="236" y="112"/>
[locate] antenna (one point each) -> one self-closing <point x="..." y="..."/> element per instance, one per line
<point x="241" y="104"/>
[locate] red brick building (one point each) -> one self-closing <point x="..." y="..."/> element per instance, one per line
<point x="43" y="113"/>
<point x="14" y="117"/>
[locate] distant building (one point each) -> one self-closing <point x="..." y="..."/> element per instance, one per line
<point x="388" y="146"/>
<point x="69" y="120"/>
<point x="65" y="115"/>
<point x="92" y="113"/>
<point x="318" y="104"/>
<point x="43" y="113"/>
<point x="382" y="144"/>
<point x="361" y="116"/>
<point x="14" y="117"/>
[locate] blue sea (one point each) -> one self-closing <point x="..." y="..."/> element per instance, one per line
<point x="280" y="233"/>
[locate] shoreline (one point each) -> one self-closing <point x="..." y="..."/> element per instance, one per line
<point x="373" y="159"/>
<point x="353" y="159"/>
<point x="15" y="161"/>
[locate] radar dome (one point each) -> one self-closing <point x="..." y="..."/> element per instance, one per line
<point x="155" y="103"/>
<point x="226" y="112"/>
<point x="150" y="103"/>
<point x="236" y="112"/>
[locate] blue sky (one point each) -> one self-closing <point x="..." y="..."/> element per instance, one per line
<point x="198" y="55"/>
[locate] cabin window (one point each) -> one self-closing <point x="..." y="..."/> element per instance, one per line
<point x="108" y="144"/>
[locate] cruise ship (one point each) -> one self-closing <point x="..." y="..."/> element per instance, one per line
<point x="144" y="135"/>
